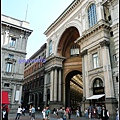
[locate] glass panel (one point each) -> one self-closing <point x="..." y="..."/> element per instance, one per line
<point x="92" y="17"/>
<point x="9" y="67"/>
<point x="12" y="42"/>
<point x="95" y="60"/>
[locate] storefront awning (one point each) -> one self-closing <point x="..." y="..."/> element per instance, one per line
<point x="5" y="99"/>
<point x="95" y="97"/>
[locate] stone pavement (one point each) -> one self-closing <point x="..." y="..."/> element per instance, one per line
<point x="39" y="117"/>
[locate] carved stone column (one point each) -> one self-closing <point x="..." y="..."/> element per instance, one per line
<point x="107" y="69"/>
<point x="51" y="88"/>
<point x="59" y="91"/>
<point x="55" y="85"/>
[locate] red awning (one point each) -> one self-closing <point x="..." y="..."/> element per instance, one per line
<point x="5" y="99"/>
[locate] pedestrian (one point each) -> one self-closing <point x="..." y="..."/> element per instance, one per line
<point x="30" y="110"/>
<point x="104" y="113"/>
<point x="4" y="113"/>
<point x="117" y="114"/>
<point x="94" y="112"/>
<point x="43" y="112"/>
<point x="54" y="111"/>
<point x="77" y="113"/>
<point x="86" y="113"/>
<point x="23" y="111"/>
<point x="64" y="114"/>
<point x="32" y="113"/>
<point x="69" y="113"/>
<point x="19" y="112"/>
<point x="99" y="112"/>
<point x="47" y="113"/>
<point x="67" y="110"/>
<point x="60" y="114"/>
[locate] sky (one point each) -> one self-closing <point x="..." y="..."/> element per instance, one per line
<point x="40" y="15"/>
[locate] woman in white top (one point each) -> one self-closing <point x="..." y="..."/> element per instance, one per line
<point x="19" y="112"/>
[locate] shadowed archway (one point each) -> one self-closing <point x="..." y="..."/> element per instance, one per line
<point x="74" y="89"/>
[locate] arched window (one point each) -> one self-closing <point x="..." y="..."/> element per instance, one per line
<point x="92" y="16"/>
<point x="98" y="83"/>
<point x="74" y="50"/>
<point x="50" y="47"/>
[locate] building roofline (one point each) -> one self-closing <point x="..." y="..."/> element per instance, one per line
<point x="16" y="26"/>
<point x="64" y="13"/>
<point x="38" y="51"/>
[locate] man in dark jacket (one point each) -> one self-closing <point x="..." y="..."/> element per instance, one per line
<point x="4" y="114"/>
<point x="104" y="114"/>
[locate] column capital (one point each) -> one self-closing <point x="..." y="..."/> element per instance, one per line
<point x="104" y="43"/>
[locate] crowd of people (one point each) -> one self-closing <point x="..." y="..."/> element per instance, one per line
<point x="97" y="112"/>
<point x="62" y="113"/>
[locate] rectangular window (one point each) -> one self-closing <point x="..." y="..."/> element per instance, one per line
<point x="95" y="60"/>
<point x="12" y="42"/>
<point x="17" y="95"/>
<point x="11" y="56"/>
<point x="48" y="81"/>
<point x="9" y="67"/>
<point x="114" y="58"/>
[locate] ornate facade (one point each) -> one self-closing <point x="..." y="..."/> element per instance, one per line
<point x="14" y="36"/>
<point x="81" y="67"/>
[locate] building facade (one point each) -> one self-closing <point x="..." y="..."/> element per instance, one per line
<point x="33" y="86"/>
<point x="82" y="56"/>
<point x="14" y="36"/>
<point x="81" y="67"/>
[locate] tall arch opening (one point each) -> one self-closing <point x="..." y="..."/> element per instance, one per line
<point x="73" y="89"/>
<point x="72" y="68"/>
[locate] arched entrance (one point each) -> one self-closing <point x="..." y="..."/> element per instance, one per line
<point x="72" y="67"/>
<point x="73" y="89"/>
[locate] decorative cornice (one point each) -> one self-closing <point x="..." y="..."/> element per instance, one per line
<point x="87" y="33"/>
<point x="104" y="43"/>
<point x="60" y="19"/>
<point x="84" y="53"/>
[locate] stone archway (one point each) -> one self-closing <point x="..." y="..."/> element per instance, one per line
<point x="73" y="89"/>
<point x="72" y="65"/>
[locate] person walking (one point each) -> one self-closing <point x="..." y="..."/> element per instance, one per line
<point x="23" y="111"/>
<point x="69" y="113"/>
<point x="60" y="114"/>
<point x="77" y="113"/>
<point x="67" y="110"/>
<point x="86" y="113"/>
<point x="32" y="113"/>
<point x="4" y="113"/>
<point x="30" y="108"/>
<point x="43" y="112"/>
<point x="19" y="112"/>
<point x="104" y="114"/>
<point x="117" y="114"/>
<point x="47" y="113"/>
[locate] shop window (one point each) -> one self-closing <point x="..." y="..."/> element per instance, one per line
<point x="92" y="16"/>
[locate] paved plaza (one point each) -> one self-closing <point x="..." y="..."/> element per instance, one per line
<point x="39" y="117"/>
